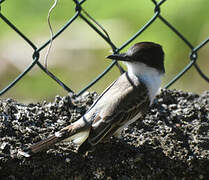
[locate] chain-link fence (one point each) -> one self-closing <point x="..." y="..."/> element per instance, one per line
<point x="86" y="17"/>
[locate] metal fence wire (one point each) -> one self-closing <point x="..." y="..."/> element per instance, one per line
<point x="80" y="12"/>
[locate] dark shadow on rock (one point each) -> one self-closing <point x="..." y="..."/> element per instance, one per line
<point x="115" y="160"/>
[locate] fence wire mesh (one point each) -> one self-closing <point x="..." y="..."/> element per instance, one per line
<point x="97" y="27"/>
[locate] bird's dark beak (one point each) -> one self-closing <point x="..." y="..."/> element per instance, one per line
<point x="119" y="57"/>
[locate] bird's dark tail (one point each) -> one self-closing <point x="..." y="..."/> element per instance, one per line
<point x="76" y="133"/>
<point x="44" y="144"/>
<point x="40" y="146"/>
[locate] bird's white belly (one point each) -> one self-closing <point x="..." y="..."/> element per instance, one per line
<point x="78" y="138"/>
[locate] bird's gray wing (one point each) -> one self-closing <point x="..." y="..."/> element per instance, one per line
<point x="127" y="97"/>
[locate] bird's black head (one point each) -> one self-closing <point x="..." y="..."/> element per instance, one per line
<point x="148" y="53"/>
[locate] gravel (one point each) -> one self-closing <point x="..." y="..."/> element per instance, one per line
<point x="170" y="142"/>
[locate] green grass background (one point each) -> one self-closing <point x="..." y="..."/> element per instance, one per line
<point x="78" y="55"/>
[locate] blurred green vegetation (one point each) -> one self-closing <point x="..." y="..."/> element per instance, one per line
<point x="78" y="55"/>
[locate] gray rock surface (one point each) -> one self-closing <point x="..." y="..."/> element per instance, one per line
<point x="170" y="142"/>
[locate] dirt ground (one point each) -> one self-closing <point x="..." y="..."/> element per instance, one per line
<point x="170" y="142"/>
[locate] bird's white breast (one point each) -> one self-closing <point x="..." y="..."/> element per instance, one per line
<point x="151" y="77"/>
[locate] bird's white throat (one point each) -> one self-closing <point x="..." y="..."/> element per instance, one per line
<point x="150" y="76"/>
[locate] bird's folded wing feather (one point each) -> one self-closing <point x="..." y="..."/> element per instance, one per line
<point x="125" y="98"/>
